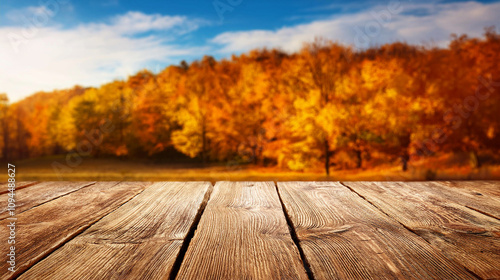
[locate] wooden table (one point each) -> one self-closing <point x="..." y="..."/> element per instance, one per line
<point x="254" y="230"/>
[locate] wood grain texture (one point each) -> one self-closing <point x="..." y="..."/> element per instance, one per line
<point x="27" y="198"/>
<point x="464" y="235"/>
<point x="482" y="187"/>
<point x="140" y="240"/>
<point x="344" y="237"/>
<point x="242" y="234"/>
<point x="43" y="229"/>
<point x="478" y="195"/>
<point x="19" y="185"/>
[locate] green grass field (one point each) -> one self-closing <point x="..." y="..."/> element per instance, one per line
<point x="105" y="169"/>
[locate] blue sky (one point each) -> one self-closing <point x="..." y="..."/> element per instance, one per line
<point x="49" y="44"/>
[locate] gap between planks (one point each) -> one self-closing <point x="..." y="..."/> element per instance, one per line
<point x="408" y="228"/>
<point x="76" y="234"/>
<point x="41" y="193"/>
<point x="295" y="239"/>
<point x="19" y="185"/>
<point x="108" y="242"/>
<point x="185" y="245"/>
<point x="345" y="237"/>
<point x="243" y="234"/>
<point x="180" y="257"/>
<point x="37" y="242"/>
<point x="465" y="235"/>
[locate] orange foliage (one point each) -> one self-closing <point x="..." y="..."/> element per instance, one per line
<point x="296" y="111"/>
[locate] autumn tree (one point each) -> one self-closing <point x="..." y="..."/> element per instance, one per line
<point x="224" y="141"/>
<point x="322" y="67"/>
<point x="472" y="86"/>
<point x="154" y="109"/>
<point x="303" y="110"/>
<point x="398" y="105"/>
<point x="358" y="133"/>
<point x="194" y="117"/>
<point x="248" y="96"/>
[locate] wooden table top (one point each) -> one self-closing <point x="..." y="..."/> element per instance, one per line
<point x="253" y="230"/>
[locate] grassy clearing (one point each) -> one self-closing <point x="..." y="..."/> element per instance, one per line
<point x="107" y="169"/>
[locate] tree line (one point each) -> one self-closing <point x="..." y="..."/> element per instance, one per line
<point x="309" y="109"/>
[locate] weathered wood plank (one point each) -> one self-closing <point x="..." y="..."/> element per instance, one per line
<point x="344" y="237"/>
<point x="140" y="240"/>
<point x="28" y="198"/>
<point x="478" y="195"/>
<point x="242" y="234"/>
<point x="19" y="185"/>
<point x="43" y="229"/>
<point x="464" y="235"/>
<point x="490" y="187"/>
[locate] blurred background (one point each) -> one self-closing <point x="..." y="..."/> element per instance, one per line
<point x="250" y="90"/>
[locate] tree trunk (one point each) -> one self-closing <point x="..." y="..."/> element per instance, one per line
<point x="327" y="158"/>
<point x="405" y="157"/>
<point x="260" y="157"/>
<point x="359" y="158"/>
<point x="405" y="141"/>
<point x="254" y="154"/>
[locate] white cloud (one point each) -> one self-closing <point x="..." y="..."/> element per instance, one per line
<point x="137" y="22"/>
<point x="50" y="57"/>
<point x="362" y="29"/>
